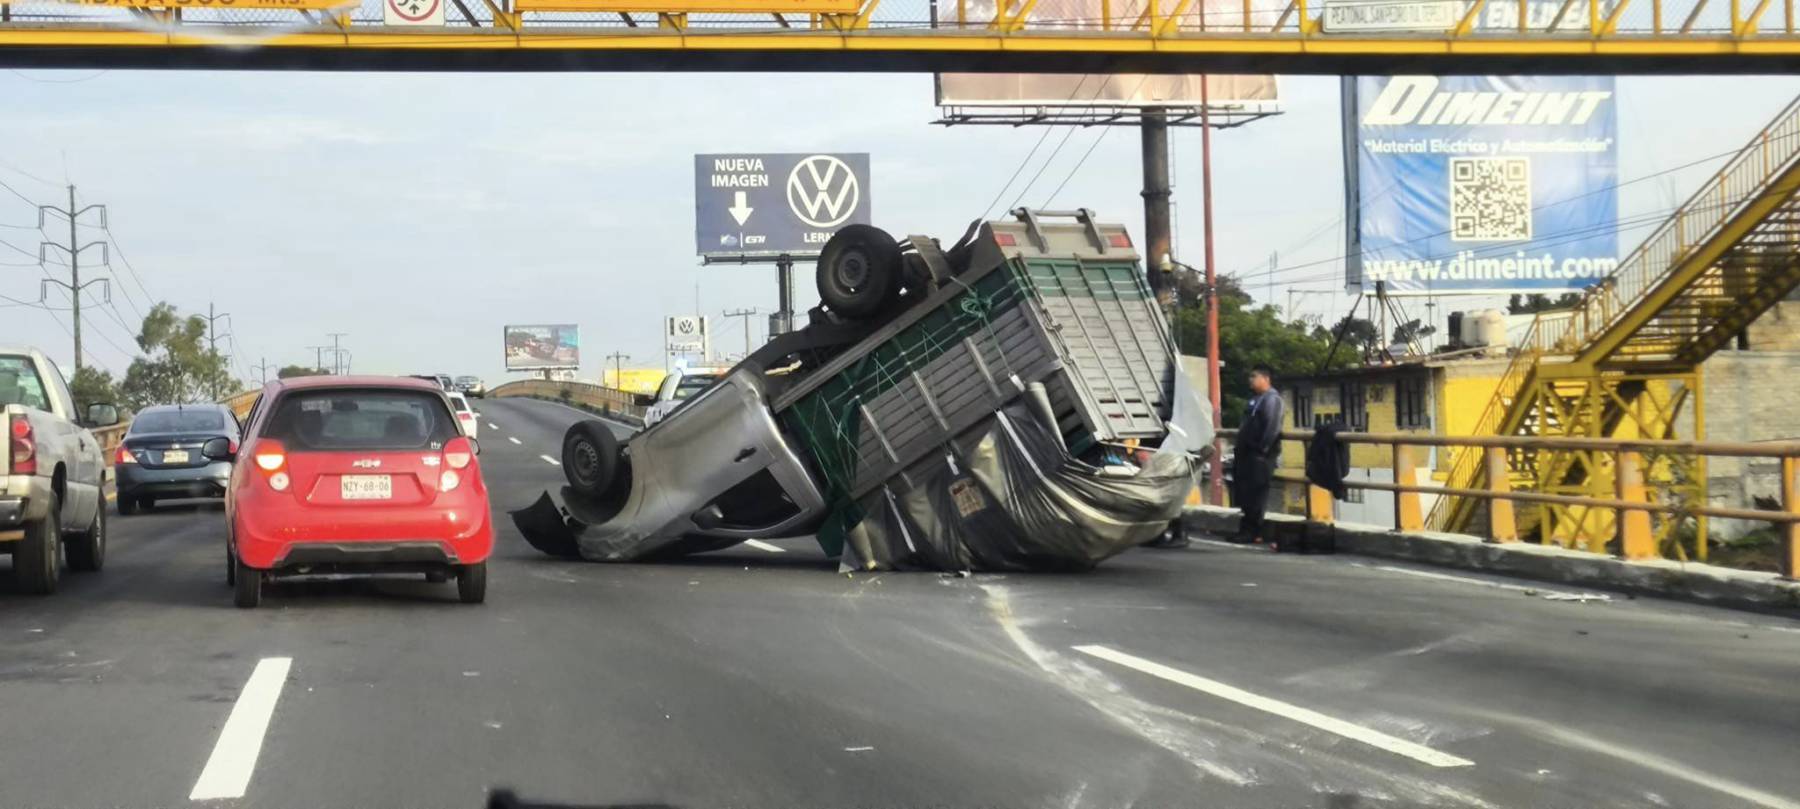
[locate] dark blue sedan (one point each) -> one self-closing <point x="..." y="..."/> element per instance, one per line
<point x="164" y="457"/>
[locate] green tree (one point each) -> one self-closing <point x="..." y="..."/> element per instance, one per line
<point x="291" y="371"/>
<point x="1251" y="335"/>
<point x="1534" y="303"/>
<point x="90" y="385"/>
<point x="178" y="366"/>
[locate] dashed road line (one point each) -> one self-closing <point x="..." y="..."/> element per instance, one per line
<point x="493" y="426"/>
<point x="1305" y="716"/>
<point x="233" y="760"/>
<point x="514" y="440"/>
<point x="550" y="460"/>
<point x="764" y="546"/>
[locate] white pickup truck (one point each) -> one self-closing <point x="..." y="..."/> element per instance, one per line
<point x="51" y="470"/>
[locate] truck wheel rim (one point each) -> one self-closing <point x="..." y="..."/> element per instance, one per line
<point x="587" y="461"/>
<point x="853" y="269"/>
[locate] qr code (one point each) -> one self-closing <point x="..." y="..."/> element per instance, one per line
<point x="1490" y="199"/>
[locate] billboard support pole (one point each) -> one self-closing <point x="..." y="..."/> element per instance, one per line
<point x="1156" y="194"/>
<point x="784" y="294"/>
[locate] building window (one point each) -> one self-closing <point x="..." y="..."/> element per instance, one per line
<point x="1303" y="415"/>
<point x="1355" y="407"/>
<point x="1409" y="403"/>
<point x="1353" y="495"/>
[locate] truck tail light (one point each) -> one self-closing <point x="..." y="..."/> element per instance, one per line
<point x="124" y="456"/>
<point x="23" y="448"/>
<point x="1118" y="240"/>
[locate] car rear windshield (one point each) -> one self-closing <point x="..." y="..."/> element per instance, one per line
<point x="694" y="383"/>
<point x="177" y="421"/>
<point x="19" y="383"/>
<point x="334" y="420"/>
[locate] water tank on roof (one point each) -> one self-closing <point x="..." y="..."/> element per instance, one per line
<point x="1483" y="328"/>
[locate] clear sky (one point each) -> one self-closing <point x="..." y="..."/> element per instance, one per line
<point x="420" y="213"/>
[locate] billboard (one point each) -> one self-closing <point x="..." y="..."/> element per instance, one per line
<point x="1110" y="90"/>
<point x="755" y="204"/>
<point x="529" y="348"/>
<point x="1480" y="184"/>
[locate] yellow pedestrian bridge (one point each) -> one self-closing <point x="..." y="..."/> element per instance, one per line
<point x="1038" y="36"/>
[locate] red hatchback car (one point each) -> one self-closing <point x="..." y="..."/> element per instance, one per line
<point x="355" y="474"/>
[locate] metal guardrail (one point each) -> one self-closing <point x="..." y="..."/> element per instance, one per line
<point x="1632" y="499"/>
<point x="598" y="398"/>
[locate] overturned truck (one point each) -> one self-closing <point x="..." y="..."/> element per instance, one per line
<point x="1008" y="403"/>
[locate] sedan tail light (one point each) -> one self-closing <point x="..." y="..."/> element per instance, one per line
<point x="271" y="458"/>
<point x="124" y="456"/>
<point x="23" y="448"/>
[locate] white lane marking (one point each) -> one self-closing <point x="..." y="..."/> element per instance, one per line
<point x="1305" y="716"/>
<point x="764" y="546"/>
<point x="550" y="460"/>
<point x="863" y="749"/>
<point x="514" y="440"/>
<point x="1553" y="594"/>
<point x="233" y="759"/>
<point x="493" y="426"/>
<point x="1230" y="546"/>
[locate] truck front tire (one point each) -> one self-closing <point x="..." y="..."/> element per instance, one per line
<point x="859" y="271"/>
<point x="590" y="456"/>
<point x="37" y="559"/>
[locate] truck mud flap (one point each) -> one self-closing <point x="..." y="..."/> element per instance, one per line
<point x="546" y="529"/>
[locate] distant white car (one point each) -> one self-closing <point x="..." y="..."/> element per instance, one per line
<point x="465" y="415"/>
<point x="676" y="388"/>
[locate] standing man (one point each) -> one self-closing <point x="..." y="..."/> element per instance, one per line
<point x="1258" y="452"/>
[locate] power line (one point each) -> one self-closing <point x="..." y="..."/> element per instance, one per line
<point x="985" y="212"/>
<point x="129" y="269"/>
<point x="15" y="169"/>
<point x="16" y="193"/>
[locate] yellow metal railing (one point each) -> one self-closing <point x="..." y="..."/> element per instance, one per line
<point x="1633" y="503"/>
<point x="1465" y="466"/>
<point x="596" y="398"/>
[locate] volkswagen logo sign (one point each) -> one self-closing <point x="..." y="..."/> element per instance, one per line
<point x="822" y="191"/>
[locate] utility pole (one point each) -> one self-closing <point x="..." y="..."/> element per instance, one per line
<point x="212" y="330"/>
<point x="319" y="357"/>
<point x="74" y="284"/>
<point x="618" y="357"/>
<point x="745" y="314"/>
<point x="1217" y="488"/>
<point x="262" y="369"/>
<point x="337" y="366"/>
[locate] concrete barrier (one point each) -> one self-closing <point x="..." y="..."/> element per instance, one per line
<point x="1687" y="581"/>
<point x="602" y="401"/>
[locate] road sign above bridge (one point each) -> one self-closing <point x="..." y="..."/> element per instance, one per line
<point x="748" y="204"/>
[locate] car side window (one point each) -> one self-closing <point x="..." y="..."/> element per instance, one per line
<point x="61" y="388"/>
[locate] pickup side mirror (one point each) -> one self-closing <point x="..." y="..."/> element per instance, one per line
<point x="102" y="414"/>
<point x="218" y="449"/>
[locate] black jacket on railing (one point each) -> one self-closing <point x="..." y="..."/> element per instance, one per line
<point x="1328" y="460"/>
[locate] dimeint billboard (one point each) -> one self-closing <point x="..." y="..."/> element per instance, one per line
<point x="530" y="348"/>
<point x="1481" y="184"/>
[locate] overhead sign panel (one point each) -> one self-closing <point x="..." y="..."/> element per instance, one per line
<point x="534" y="347"/>
<point x="1392" y="15"/>
<point x="1473" y="184"/>
<point x="749" y="204"/>
<point x="686" y="334"/>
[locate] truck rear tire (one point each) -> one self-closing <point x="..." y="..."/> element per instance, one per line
<point x="87" y="550"/>
<point x="859" y="271"/>
<point x="37" y="559"/>
<point x="590" y="456"/>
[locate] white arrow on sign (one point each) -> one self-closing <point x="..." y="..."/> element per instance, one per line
<point x="741" y="209"/>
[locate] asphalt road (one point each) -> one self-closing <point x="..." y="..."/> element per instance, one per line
<point x="1207" y="677"/>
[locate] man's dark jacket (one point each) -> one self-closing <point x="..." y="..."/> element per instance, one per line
<point x="1328" y="460"/>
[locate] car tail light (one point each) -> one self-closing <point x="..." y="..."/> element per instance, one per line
<point x="270" y="456"/>
<point x="458" y="453"/>
<point x="125" y="456"/>
<point x="24" y="450"/>
<point x="449" y="480"/>
<point x="1118" y="240"/>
